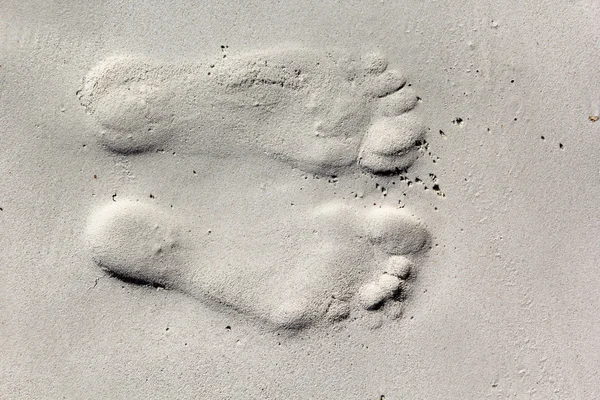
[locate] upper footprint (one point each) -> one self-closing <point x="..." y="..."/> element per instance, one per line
<point x="320" y="112"/>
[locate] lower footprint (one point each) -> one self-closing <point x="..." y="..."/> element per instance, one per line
<point x="338" y="259"/>
<point x="275" y="116"/>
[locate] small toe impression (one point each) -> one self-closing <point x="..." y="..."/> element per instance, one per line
<point x="390" y="284"/>
<point x="356" y="68"/>
<point x="399" y="267"/>
<point x="374" y="63"/>
<point x="382" y="85"/>
<point x="395" y="232"/>
<point x="371" y="296"/>
<point x="398" y="103"/>
<point x="134" y="241"/>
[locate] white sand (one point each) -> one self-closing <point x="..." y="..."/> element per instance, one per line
<point x="311" y="200"/>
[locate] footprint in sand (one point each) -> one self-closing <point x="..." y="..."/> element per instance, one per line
<point x="260" y="124"/>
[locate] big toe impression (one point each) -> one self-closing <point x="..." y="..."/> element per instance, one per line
<point x="390" y="143"/>
<point x="396" y="232"/>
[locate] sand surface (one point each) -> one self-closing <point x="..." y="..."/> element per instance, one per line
<point x="299" y="200"/>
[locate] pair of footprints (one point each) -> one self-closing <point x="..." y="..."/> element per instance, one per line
<point x="326" y="114"/>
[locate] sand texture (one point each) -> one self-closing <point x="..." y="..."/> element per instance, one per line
<point x="300" y="200"/>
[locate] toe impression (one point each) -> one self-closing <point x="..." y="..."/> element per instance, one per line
<point x="395" y="232"/>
